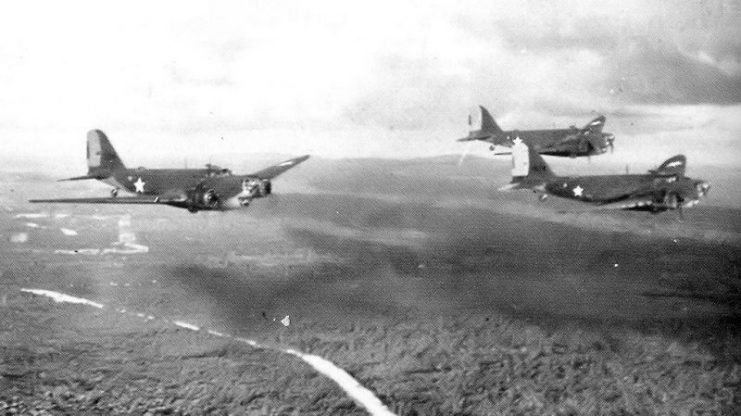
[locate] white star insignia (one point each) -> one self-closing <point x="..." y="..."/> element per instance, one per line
<point x="578" y="190"/>
<point x="517" y="140"/>
<point x="139" y="185"/>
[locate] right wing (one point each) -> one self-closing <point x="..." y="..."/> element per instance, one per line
<point x="638" y="200"/>
<point x="273" y="171"/>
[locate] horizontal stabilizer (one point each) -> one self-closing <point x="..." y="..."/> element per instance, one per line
<point x="510" y="187"/>
<point x="500" y="150"/>
<point x="84" y="177"/>
<point x="473" y="138"/>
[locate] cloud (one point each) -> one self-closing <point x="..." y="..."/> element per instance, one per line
<point x="295" y="75"/>
<point x="649" y="74"/>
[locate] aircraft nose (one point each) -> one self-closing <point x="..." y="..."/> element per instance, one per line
<point x="703" y="188"/>
<point x="611" y="142"/>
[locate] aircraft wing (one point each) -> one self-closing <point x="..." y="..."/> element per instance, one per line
<point x="628" y="203"/>
<point x="273" y="171"/>
<point x="111" y="200"/>
<point x="596" y="125"/>
<point x="633" y="202"/>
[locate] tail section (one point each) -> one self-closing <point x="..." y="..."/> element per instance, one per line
<point x="488" y="131"/>
<point x="595" y="126"/>
<point x="102" y="159"/>
<point x="529" y="170"/>
<point x="101" y="154"/>
<point x="674" y="166"/>
<point x="488" y="125"/>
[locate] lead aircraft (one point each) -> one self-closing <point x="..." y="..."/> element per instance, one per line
<point x="661" y="189"/>
<point x="212" y="188"/>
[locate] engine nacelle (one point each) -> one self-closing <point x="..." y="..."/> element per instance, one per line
<point x="666" y="200"/>
<point x="266" y="187"/>
<point x="257" y="188"/>
<point x="209" y="198"/>
<point x="202" y="199"/>
<point x="583" y="145"/>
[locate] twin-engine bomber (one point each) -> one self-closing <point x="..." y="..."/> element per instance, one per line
<point x="571" y="142"/>
<point x="661" y="189"/>
<point x="196" y="190"/>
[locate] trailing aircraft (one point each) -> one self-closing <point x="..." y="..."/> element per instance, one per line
<point x="661" y="189"/>
<point x="571" y="142"/>
<point x="212" y="188"/>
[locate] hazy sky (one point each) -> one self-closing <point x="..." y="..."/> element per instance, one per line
<point x="167" y="80"/>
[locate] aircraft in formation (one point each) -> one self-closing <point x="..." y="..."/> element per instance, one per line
<point x="661" y="189"/>
<point x="196" y="190"/>
<point x="571" y="142"/>
<point x="214" y="188"/>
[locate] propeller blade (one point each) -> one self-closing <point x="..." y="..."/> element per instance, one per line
<point x="464" y="153"/>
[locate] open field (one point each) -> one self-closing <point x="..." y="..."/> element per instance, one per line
<point x="434" y="291"/>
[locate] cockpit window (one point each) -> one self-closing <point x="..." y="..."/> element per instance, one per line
<point x="216" y="171"/>
<point x="665" y="179"/>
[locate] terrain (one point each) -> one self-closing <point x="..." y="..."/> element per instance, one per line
<point x="433" y="290"/>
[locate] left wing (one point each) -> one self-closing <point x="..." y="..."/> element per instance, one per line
<point x="633" y="202"/>
<point x="113" y="200"/>
<point x="637" y="203"/>
<point x="273" y="171"/>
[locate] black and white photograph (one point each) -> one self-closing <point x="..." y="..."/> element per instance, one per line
<point x="327" y="207"/>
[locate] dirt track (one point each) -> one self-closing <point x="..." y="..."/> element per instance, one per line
<point x="428" y="306"/>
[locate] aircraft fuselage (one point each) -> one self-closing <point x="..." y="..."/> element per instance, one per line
<point x="156" y="181"/>
<point x="607" y="189"/>
<point x="559" y="142"/>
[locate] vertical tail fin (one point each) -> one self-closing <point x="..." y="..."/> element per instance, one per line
<point x="488" y="125"/>
<point x="489" y="130"/>
<point x="102" y="160"/>
<point x="101" y="156"/>
<point x="674" y="166"/>
<point x="595" y="126"/>
<point x="529" y="170"/>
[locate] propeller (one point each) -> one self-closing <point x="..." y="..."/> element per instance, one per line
<point x="466" y="149"/>
<point x="464" y="153"/>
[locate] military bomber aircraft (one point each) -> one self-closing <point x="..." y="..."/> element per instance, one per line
<point x="571" y="142"/>
<point x="196" y="190"/>
<point x="661" y="189"/>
